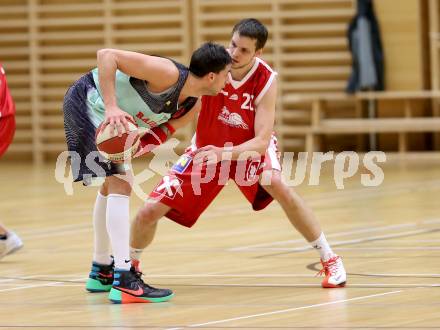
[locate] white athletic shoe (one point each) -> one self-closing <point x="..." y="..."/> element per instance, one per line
<point x="11" y="244"/>
<point x="335" y="275"/>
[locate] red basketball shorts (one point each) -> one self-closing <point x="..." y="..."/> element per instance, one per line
<point x="189" y="190"/>
<point x="7" y="130"/>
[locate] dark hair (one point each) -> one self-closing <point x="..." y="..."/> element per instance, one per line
<point x="254" y="29"/>
<point x="209" y="57"/>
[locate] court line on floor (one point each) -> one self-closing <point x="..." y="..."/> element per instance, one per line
<point x="352" y="193"/>
<point x="238" y="208"/>
<point x="50" y="278"/>
<point x="4" y="279"/>
<point x="304" y="285"/>
<point x="350" y="242"/>
<point x="79" y="282"/>
<point x="28" y="287"/>
<point x="286" y="310"/>
<point x="37" y="277"/>
<point x="273" y="275"/>
<point x="215" y="275"/>
<point x="81" y="228"/>
<point x="342" y="234"/>
<point x="240" y="285"/>
<point x="391" y="248"/>
<point x="412" y="241"/>
<point x="36" y="286"/>
<point x="354" y="241"/>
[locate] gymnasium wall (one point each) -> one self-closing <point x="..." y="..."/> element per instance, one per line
<point x="404" y="32"/>
<point x="46" y="44"/>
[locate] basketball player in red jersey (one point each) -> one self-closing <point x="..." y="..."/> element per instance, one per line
<point x="238" y="120"/>
<point x="9" y="241"/>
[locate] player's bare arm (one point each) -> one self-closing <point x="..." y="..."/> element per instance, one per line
<point x="264" y="123"/>
<point x="160" y="73"/>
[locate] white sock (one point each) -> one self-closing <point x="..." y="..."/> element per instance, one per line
<point x="101" y="247"/>
<point x="135" y="253"/>
<point x="324" y="249"/>
<point x="118" y="227"/>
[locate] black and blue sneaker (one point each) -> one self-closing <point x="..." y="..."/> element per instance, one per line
<point x="128" y="287"/>
<point x="100" y="278"/>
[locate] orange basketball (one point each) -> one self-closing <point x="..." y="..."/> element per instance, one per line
<point x="117" y="148"/>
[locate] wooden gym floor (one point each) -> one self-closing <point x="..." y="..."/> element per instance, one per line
<point x="235" y="268"/>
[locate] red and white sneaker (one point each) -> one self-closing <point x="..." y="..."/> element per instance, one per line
<point x="335" y="275"/>
<point x="11" y="244"/>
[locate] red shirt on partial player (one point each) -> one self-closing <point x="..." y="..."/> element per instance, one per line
<point x="7" y="112"/>
<point x="7" y="106"/>
<point x="230" y="115"/>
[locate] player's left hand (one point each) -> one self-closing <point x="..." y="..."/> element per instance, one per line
<point x="208" y="155"/>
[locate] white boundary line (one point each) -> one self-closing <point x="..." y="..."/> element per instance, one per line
<point x="54" y="283"/>
<point x="389" y="248"/>
<point x="243" y="209"/>
<point x="67" y="277"/>
<point x="327" y="197"/>
<point x="272" y="275"/>
<point x="241" y="285"/>
<point x="316" y="285"/>
<point x="347" y="233"/>
<point x="290" y="275"/>
<point x="31" y="286"/>
<point x="287" y="310"/>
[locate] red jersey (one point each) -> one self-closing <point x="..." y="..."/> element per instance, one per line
<point x="226" y="117"/>
<point x="7" y="106"/>
<point x="230" y="115"/>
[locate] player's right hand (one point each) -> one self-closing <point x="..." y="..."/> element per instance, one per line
<point x="207" y="155"/>
<point x="117" y="119"/>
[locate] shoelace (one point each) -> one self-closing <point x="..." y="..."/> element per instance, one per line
<point x="138" y="274"/>
<point x="330" y="265"/>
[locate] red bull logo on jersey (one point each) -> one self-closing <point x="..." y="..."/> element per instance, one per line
<point x="232" y="119"/>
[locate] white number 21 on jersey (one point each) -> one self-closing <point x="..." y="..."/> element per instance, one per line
<point x="247" y="104"/>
